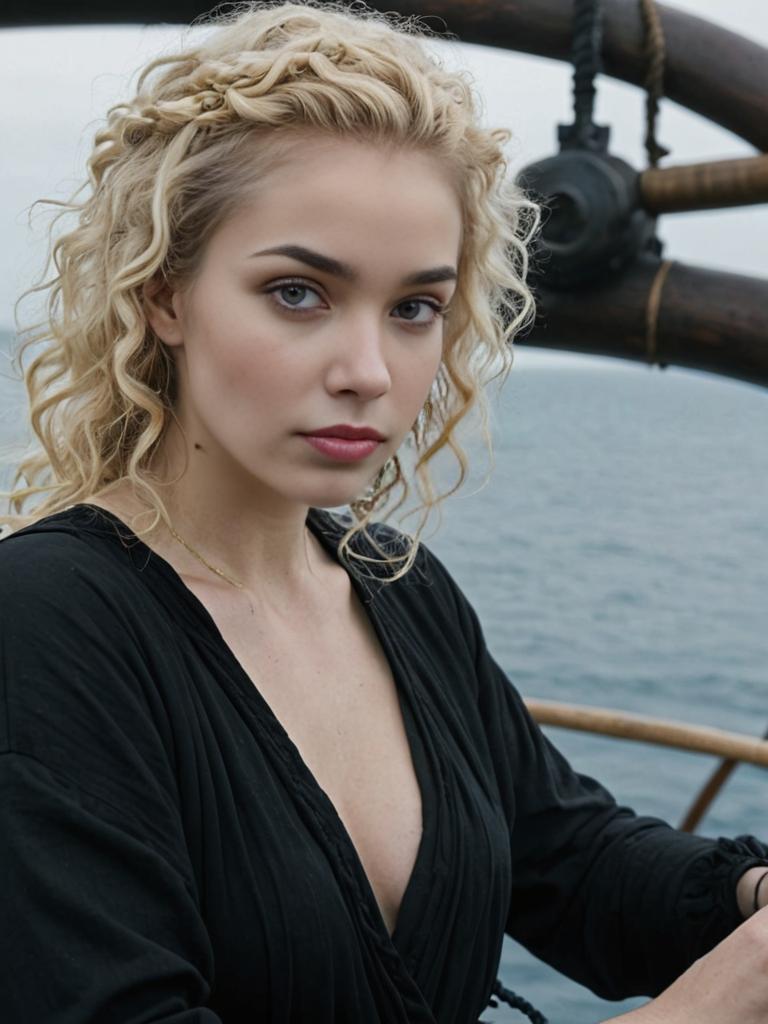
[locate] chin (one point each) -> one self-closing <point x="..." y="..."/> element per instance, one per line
<point x="332" y="499"/>
<point x="333" y="495"/>
<point x="335" y="488"/>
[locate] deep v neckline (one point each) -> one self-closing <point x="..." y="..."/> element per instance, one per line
<point x="407" y="920"/>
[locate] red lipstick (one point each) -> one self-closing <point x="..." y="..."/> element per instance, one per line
<point x="345" y="443"/>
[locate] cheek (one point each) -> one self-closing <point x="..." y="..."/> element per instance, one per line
<point x="241" y="357"/>
<point x="418" y="376"/>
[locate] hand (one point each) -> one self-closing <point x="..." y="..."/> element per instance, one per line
<point x="727" y="986"/>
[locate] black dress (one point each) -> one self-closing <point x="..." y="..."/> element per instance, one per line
<point x="167" y="856"/>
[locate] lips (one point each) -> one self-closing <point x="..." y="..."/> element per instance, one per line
<point x="348" y="433"/>
<point x="344" y="443"/>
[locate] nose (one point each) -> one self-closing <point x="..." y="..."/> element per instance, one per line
<point x="358" y="364"/>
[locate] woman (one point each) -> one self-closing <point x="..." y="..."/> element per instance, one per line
<point x="258" y="763"/>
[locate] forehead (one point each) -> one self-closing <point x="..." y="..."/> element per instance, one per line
<point x="362" y="202"/>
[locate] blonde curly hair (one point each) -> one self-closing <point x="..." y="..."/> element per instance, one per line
<point x="173" y="162"/>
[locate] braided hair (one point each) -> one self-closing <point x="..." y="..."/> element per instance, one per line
<point x="172" y="162"/>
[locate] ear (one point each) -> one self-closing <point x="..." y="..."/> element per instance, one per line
<point x="161" y="305"/>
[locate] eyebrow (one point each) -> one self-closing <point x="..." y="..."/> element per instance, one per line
<point x="328" y="265"/>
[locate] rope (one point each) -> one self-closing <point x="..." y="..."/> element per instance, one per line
<point x="652" y="312"/>
<point x="654" y="51"/>
<point x="585" y="55"/>
<point x="516" y="1002"/>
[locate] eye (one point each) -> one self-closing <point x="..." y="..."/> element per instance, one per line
<point x="421" y="312"/>
<point x="294" y="296"/>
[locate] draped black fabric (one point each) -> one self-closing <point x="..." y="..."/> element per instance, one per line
<point x="167" y="856"/>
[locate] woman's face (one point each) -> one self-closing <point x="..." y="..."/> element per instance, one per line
<point x="315" y="311"/>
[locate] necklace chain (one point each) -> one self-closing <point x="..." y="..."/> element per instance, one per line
<point x="219" y="572"/>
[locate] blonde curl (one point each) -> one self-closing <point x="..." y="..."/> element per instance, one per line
<point x="169" y="165"/>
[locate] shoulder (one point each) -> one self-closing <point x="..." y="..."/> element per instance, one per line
<point x="426" y="603"/>
<point x="53" y="569"/>
<point x="380" y="542"/>
<point x="68" y="579"/>
<point x="82" y="656"/>
<point x="53" y="538"/>
<point x="429" y="582"/>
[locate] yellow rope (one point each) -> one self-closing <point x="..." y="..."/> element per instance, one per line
<point x="655" y="53"/>
<point x="652" y="312"/>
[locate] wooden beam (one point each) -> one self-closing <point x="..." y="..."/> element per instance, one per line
<point x="717" y="73"/>
<point x="706" y="320"/>
<point x="705" y="186"/>
<point x="643" y="729"/>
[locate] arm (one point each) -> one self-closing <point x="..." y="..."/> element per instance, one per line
<point x="97" y="923"/>
<point x="726" y="984"/>
<point x="99" y="910"/>
<point x="621" y="903"/>
<point x="729" y="984"/>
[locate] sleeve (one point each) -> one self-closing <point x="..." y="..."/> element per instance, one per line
<point x="619" y="902"/>
<point x="100" y="917"/>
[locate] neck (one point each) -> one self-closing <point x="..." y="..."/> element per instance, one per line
<point x="241" y="545"/>
<point x="252" y="536"/>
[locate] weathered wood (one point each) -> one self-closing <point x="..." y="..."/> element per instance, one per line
<point x="643" y="729"/>
<point x="707" y="320"/>
<point x="705" y="186"/>
<point x="717" y="73"/>
<point x="707" y="794"/>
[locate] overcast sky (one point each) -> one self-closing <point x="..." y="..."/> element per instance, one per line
<point x="63" y="80"/>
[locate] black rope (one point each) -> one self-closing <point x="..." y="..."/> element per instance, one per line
<point x="587" y="42"/>
<point x="586" y="46"/>
<point x="516" y="1002"/>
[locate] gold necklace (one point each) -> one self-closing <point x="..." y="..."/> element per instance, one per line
<point x="219" y="572"/>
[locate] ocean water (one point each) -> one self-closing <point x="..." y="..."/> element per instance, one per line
<point x="618" y="556"/>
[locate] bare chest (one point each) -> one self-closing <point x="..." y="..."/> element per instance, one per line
<point x="334" y="694"/>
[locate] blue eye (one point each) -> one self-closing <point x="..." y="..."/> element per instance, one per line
<point x="293" y="296"/>
<point x="298" y="297"/>
<point x="413" y="311"/>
